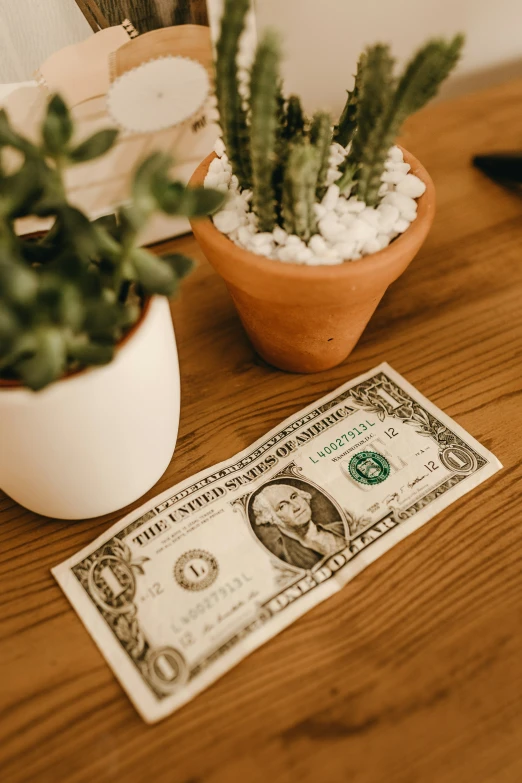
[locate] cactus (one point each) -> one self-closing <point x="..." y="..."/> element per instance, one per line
<point x="264" y="108"/>
<point x="347" y="124"/>
<point x="68" y="297"/>
<point x="295" y="119"/>
<point x="321" y="138"/>
<point x="233" y="118"/>
<point x="283" y="157"/>
<point x="299" y="188"/>
<point x="384" y="104"/>
<point x="281" y="151"/>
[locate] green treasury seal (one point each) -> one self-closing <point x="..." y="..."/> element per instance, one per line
<point x="369" y="467"/>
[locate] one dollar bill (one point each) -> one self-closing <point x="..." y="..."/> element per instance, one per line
<point x="182" y="589"/>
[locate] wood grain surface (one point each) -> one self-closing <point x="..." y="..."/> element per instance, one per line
<point x="411" y="674"/>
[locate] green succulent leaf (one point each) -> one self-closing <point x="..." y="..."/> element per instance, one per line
<point x="199" y="202"/>
<point x="149" y="177"/>
<point x="94" y="147"/>
<point x="155" y="275"/>
<point x="9" y="137"/>
<point x="18" y="284"/>
<point x="182" y="265"/>
<point x="104" y="320"/>
<point x="48" y="362"/>
<point x="19" y="192"/>
<point x="90" y="352"/>
<point x="57" y="127"/>
<point x="77" y="232"/>
<point x="9" y="329"/>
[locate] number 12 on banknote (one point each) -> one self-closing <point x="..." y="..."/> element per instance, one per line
<point x="182" y="589"/>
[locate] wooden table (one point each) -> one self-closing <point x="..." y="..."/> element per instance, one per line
<point x="413" y="673"/>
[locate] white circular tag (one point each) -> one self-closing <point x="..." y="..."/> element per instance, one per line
<point x="158" y="94"/>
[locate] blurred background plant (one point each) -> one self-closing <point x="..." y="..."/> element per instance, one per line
<point x="68" y="297"/>
<point x="282" y="155"/>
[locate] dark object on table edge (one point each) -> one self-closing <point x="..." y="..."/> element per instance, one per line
<point x="502" y="167"/>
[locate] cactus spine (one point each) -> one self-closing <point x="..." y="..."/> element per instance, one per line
<point x="264" y="100"/>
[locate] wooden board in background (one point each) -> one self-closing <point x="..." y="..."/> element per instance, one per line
<point x="148" y="15"/>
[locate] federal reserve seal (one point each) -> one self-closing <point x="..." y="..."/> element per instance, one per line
<point x="369" y="467"/>
<point x="196" y="570"/>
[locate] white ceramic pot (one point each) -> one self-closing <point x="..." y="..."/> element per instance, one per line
<point x="96" y="440"/>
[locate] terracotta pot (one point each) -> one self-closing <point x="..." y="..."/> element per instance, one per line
<point x="308" y="318"/>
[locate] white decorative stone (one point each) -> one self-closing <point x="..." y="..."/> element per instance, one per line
<point x="396" y="165"/>
<point x="279" y="235"/>
<point x="401" y="225"/>
<point x="303" y="255"/>
<point x="393" y="177"/>
<point x="411" y="186"/>
<point x="346" y="249"/>
<point x="294" y="241"/>
<point x="354" y="205"/>
<point x="330" y="227"/>
<point x="361" y="231"/>
<point x="263" y="238"/>
<point x="406" y="205"/>
<point x="388" y="217"/>
<point x="371" y="216"/>
<point x="227" y="221"/>
<point x="332" y="175"/>
<point x="212" y="180"/>
<point x="216" y="166"/>
<point x="318" y="245"/>
<point x="330" y="198"/>
<point x="336" y="147"/>
<point x="395" y="153"/>
<point x="319" y="210"/>
<point x="347" y="219"/>
<point x="371" y="246"/>
<point x="219" y="147"/>
<point x="244" y="235"/>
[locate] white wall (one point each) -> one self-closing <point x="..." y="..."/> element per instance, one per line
<point x="322" y="39"/>
<point x="31" y="30"/>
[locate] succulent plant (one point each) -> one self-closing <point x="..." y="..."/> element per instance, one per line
<point x="275" y="150"/>
<point x="69" y="295"/>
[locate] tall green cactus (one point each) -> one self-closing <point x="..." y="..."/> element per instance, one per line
<point x="295" y="119"/>
<point x="275" y="150"/>
<point x="321" y="138"/>
<point x="348" y="120"/>
<point x="384" y="104"/>
<point x="233" y="118"/>
<point x="376" y="88"/>
<point x="264" y="100"/>
<point x="299" y="188"/>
